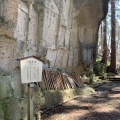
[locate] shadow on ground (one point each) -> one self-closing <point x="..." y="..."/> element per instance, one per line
<point x="101" y="116"/>
<point x="104" y="105"/>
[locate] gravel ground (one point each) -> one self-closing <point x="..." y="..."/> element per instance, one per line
<point x="103" y="105"/>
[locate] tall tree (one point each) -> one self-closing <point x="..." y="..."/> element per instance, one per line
<point x="104" y="49"/>
<point x="113" y="41"/>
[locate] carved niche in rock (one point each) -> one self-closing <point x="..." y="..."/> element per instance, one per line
<point x="33" y="30"/>
<point x="21" y="30"/>
<point x="50" y="24"/>
<point x="58" y="58"/>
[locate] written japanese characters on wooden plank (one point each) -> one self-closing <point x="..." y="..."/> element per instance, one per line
<point x="61" y="37"/>
<point x="76" y="57"/>
<point x="50" y="24"/>
<point x="74" y="37"/>
<point x="65" y="58"/>
<point x="67" y="38"/>
<point x="31" y="70"/>
<point x="71" y="58"/>
<point x="21" y="31"/>
<point x="65" y="13"/>
<point x="33" y="28"/>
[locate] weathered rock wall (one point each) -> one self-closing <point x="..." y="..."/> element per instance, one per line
<point x="64" y="29"/>
<point x="89" y="17"/>
<point x="61" y="32"/>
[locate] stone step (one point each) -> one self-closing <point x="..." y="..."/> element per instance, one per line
<point x="114" y="78"/>
<point x="99" y="83"/>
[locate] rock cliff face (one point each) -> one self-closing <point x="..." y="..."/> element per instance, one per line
<point x="61" y="32"/>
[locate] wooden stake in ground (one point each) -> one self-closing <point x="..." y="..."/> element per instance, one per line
<point x="29" y="102"/>
<point x="38" y="116"/>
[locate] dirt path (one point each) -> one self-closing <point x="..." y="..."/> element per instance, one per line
<point x="104" y="105"/>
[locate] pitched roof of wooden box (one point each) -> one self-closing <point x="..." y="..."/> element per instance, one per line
<point x="31" y="57"/>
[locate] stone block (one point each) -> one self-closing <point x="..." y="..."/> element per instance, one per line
<point x="65" y="58"/>
<point x="70" y="59"/>
<point x="6" y="90"/>
<point x="67" y="38"/>
<point x="16" y="83"/>
<point x="59" y="58"/>
<point x="51" y="56"/>
<point x="13" y="109"/>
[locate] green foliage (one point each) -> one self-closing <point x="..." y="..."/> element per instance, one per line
<point x="98" y="60"/>
<point x="108" y="63"/>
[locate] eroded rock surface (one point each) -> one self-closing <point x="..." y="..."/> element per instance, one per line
<point x="61" y="32"/>
<point x="35" y="26"/>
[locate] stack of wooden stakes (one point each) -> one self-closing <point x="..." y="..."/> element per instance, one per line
<point x="54" y="79"/>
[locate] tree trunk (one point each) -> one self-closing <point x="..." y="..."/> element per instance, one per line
<point x="104" y="49"/>
<point x="113" y="41"/>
